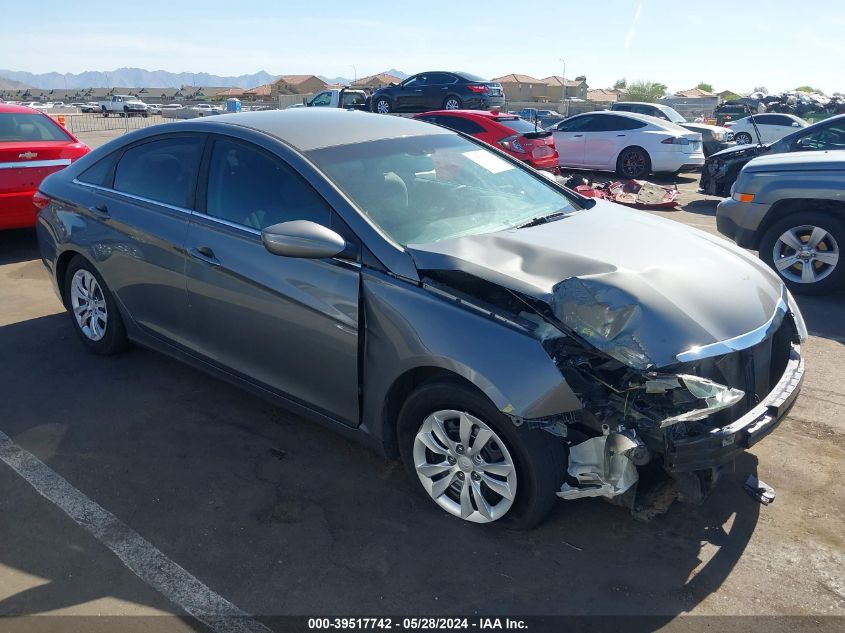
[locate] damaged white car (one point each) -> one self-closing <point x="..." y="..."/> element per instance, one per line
<point x="513" y="342"/>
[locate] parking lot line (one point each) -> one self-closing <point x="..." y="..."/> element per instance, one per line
<point x="144" y="559"/>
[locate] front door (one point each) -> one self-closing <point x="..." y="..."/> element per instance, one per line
<point x="570" y="140"/>
<point x="288" y="324"/>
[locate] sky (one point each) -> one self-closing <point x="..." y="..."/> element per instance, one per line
<point x="735" y="45"/>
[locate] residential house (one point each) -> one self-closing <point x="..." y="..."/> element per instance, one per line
<point x="259" y="93"/>
<point x="694" y="93"/>
<point x="297" y="84"/>
<point x="522" y="87"/>
<point x="376" y="81"/>
<point x="604" y="95"/>
<point x="558" y="88"/>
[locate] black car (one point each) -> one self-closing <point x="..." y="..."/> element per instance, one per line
<point x="722" y="168"/>
<point x="438" y="91"/>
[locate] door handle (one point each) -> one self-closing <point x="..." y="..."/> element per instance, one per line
<point x="621" y="135"/>
<point x="205" y="254"/>
<point x="577" y="135"/>
<point x="418" y="90"/>
<point x="101" y="210"/>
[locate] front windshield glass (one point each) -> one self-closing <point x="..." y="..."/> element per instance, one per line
<point x="423" y="189"/>
<point x="673" y="115"/>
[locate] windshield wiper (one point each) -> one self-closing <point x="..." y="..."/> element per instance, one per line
<point x="543" y="219"/>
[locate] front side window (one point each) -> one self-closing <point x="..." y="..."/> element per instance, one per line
<point x="417" y="81"/>
<point x="18" y="127"/>
<point x="576" y="124"/>
<point x="252" y="188"/>
<point x="429" y="188"/>
<point x="322" y="99"/>
<point x="829" y="137"/>
<point x="163" y="170"/>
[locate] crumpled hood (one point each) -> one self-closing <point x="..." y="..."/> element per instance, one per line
<point x="641" y="288"/>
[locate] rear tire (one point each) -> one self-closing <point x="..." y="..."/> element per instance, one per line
<point x="93" y="310"/>
<point x="829" y="272"/>
<point x="743" y="138"/>
<point x="633" y="163"/>
<point x="539" y="458"/>
<point x="452" y="103"/>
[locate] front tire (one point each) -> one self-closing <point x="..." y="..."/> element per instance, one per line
<point x="382" y="105"/>
<point x="474" y="462"/>
<point x="743" y="138"/>
<point x="805" y="250"/>
<point x="633" y="163"/>
<point x="93" y="310"/>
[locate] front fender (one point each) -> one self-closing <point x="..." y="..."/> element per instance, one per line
<point x="408" y="327"/>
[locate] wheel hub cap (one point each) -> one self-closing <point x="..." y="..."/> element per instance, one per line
<point x="464" y="466"/>
<point x="805" y="254"/>
<point x="89" y="305"/>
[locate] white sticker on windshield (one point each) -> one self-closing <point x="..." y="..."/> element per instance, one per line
<point x="489" y="161"/>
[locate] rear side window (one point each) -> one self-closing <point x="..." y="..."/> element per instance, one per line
<point x="100" y="173"/>
<point x="164" y="170"/>
<point x="15" y="126"/>
<point x="439" y="79"/>
<point x="252" y="188"/>
<point x="611" y="123"/>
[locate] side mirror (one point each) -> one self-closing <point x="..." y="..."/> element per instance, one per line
<point x="796" y="124"/>
<point x="302" y="238"/>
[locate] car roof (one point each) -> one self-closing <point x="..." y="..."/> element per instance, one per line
<point x="645" y="118"/>
<point x="17" y="109"/>
<point x="307" y="129"/>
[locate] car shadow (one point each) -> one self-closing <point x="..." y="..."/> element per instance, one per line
<point x="283" y="517"/>
<point x="824" y="314"/>
<point x="18" y="245"/>
<point x="702" y="207"/>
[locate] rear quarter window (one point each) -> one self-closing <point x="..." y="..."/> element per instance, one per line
<point x="100" y="173"/>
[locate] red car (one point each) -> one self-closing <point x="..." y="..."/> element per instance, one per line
<point x="32" y="146"/>
<point x="508" y="132"/>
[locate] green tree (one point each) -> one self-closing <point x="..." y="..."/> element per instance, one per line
<point x="648" y="91"/>
<point x="706" y="87"/>
<point x="762" y="89"/>
<point x="581" y="78"/>
<point x="807" y="89"/>
<point x="620" y="84"/>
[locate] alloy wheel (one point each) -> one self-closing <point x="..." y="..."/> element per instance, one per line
<point x="633" y="163"/>
<point x="452" y="104"/>
<point x="743" y="139"/>
<point x="89" y="305"/>
<point x="465" y="466"/>
<point x="805" y="254"/>
<point x="383" y="106"/>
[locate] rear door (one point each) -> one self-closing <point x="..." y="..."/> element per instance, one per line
<point x="437" y="86"/>
<point x="570" y="140"/>
<point x="770" y="126"/>
<point x="606" y="137"/>
<point x="144" y="203"/>
<point x="287" y="324"/>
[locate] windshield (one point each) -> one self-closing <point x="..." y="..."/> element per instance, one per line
<point x="424" y="189"/>
<point x="674" y="115"/>
<point x="520" y="126"/>
<point x="30" y="127"/>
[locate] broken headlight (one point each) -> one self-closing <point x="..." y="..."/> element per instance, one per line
<point x="715" y="397"/>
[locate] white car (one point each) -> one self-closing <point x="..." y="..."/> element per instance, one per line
<point x="37" y="105"/>
<point x="207" y="108"/>
<point x="633" y="145"/>
<point x="172" y="106"/>
<point x="773" y="127"/>
<point x="154" y="108"/>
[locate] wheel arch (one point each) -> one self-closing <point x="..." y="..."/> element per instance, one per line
<point x="62" y="263"/>
<point x="784" y="208"/>
<point x="399" y="391"/>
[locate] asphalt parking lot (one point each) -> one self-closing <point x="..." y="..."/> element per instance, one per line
<point x="280" y="517"/>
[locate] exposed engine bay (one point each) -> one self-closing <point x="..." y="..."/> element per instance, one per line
<point x="640" y="408"/>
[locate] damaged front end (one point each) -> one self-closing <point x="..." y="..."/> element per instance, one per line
<point x="648" y="406"/>
<point x="721" y="169"/>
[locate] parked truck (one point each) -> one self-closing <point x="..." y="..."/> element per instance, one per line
<point x="340" y="98"/>
<point x="124" y="105"/>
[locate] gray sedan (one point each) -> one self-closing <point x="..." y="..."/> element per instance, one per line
<point x="432" y="297"/>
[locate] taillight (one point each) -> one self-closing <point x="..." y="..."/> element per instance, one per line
<point x="513" y="144"/>
<point x="40" y="200"/>
<point x="676" y="140"/>
<point x="482" y="88"/>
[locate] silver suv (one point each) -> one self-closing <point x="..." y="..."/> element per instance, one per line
<point x="791" y="208"/>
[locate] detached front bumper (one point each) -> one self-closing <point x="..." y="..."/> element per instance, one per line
<point x="723" y="444"/>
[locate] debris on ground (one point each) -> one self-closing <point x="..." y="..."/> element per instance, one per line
<point x="640" y="194"/>
<point x="760" y="490"/>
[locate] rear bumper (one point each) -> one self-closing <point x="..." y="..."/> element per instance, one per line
<point x="484" y="102"/>
<point x="17" y="210"/>
<point x="722" y="445"/>
<point x="551" y="162"/>
<point x="676" y="161"/>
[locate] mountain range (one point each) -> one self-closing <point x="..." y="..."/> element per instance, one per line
<point x="139" y="77"/>
<point x="132" y="78"/>
<point x="348" y="81"/>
